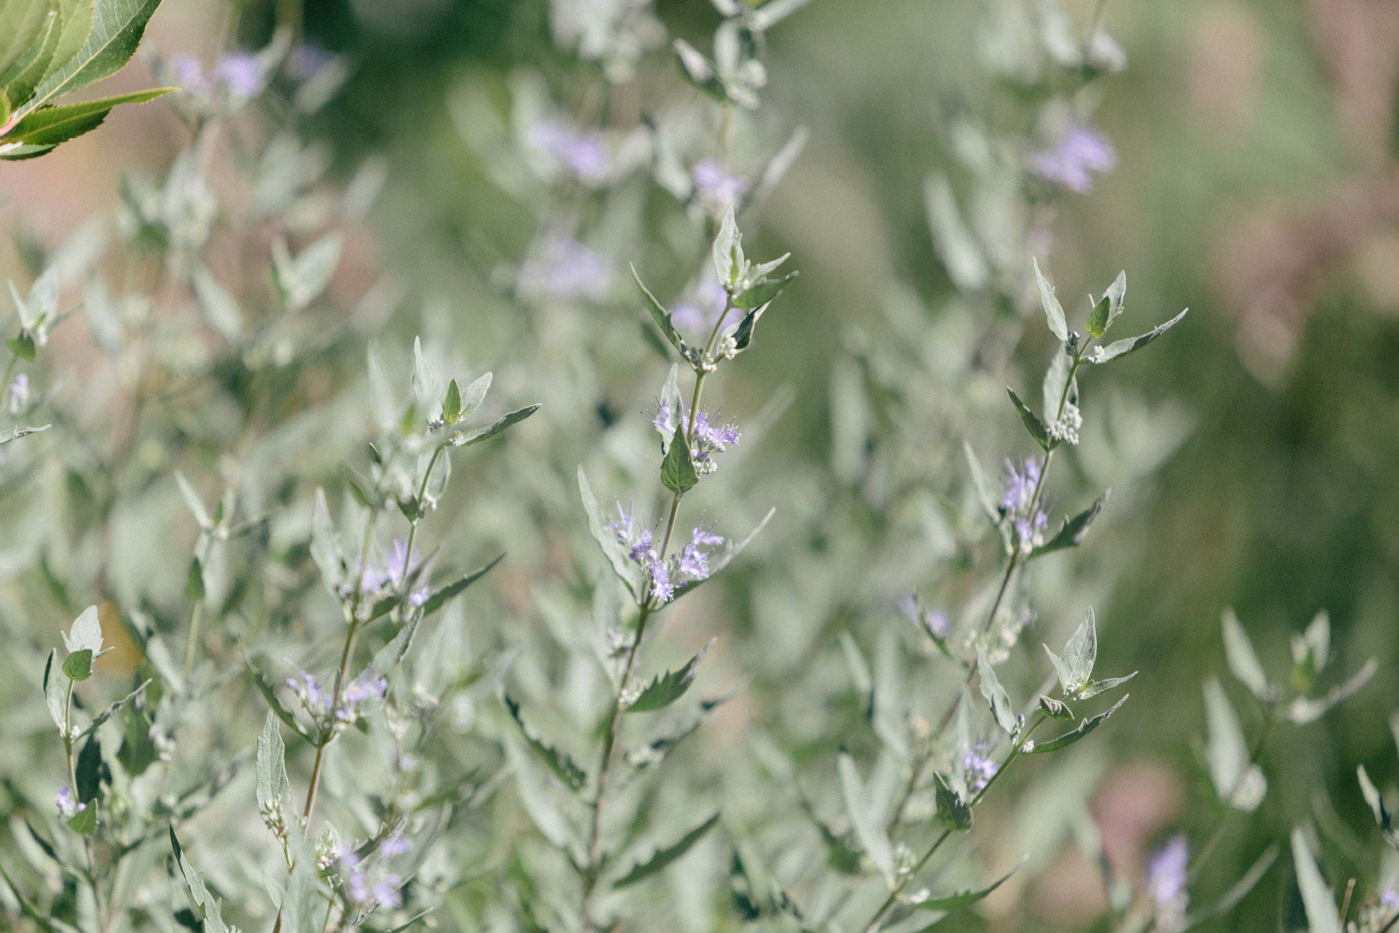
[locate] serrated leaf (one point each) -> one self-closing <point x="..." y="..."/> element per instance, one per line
<point x="953" y="812"/>
<point x="439" y="597"/>
<point x="665" y="856"/>
<point x="994" y="693"/>
<point x="677" y="468"/>
<point x="966" y="898"/>
<point x="1239" y="783"/>
<point x="1243" y="662"/>
<point x="662" y="317"/>
<point x="869" y="827"/>
<point x="559" y="762"/>
<point x="116" y="32"/>
<point x="51" y="125"/>
<point x="1317" y="899"/>
<point x="666" y="688"/>
<point x="204" y="902"/>
<point x="78" y="665"/>
<point x="763" y="292"/>
<point x="1033" y="424"/>
<point x="500" y="424"/>
<point x="1132" y="344"/>
<point x="1074" y="530"/>
<point x="1085" y="726"/>
<point x="612" y="548"/>
<point x="1053" y="311"/>
<point x="1309" y="709"/>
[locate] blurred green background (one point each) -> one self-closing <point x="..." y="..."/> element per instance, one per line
<point x="1256" y="185"/>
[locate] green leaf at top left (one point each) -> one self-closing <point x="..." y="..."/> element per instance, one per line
<point x="49" y="126"/>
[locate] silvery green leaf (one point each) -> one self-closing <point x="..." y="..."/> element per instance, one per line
<point x="763" y="292"/>
<point x="662" y="317"/>
<point x="869" y="826"/>
<point x="53" y="691"/>
<point x="665" y="856"/>
<point x="1055" y="388"/>
<point x="1309" y="709"/>
<point x="1074" y="529"/>
<point x="1095" y="687"/>
<point x="559" y="762"/>
<point x="301" y="280"/>
<point x="272" y="784"/>
<point x="668" y="687"/>
<point x="859" y="669"/>
<point x="42" y="303"/>
<point x="439" y="597"/>
<point x="310" y="733"/>
<point x="1132" y="344"/>
<point x="381" y="396"/>
<point x="207" y="906"/>
<point x="1075" y="666"/>
<point x="1374" y="799"/>
<point x="994" y="693"/>
<point x="474" y="395"/>
<point x="220" y="308"/>
<point x="1317" y="899"/>
<point x="1115" y="297"/>
<point x="699" y="71"/>
<point x="1239" y="783"/>
<point x="111" y="710"/>
<point x="1053" y="311"/>
<point x="325" y="546"/>
<point x="728" y="250"/>
<point x="780" y="163"/>
<point x="301" y="906"/>
<point x="763" y="269"/>
<point x="86" y="632"/>
<point x="1085" y="726"/>
<point x="436" y="481"/>
<point x="954" y="813"/>
<point x="426" y="385"/>
<point x="955" y="244"/>
<point x="773" y="12"/>
<point x="194" y="503"/>
<point x="670" y="399"/>
<point x="985" y="493"/>
<point x="1243" y="662"/>
<point x="495" y="427"/>
<point x="677" y="468"/>
<point x="1033" y="424"/>
<point x="15" y="434"/>
<point x="612" y="548"/>
<point x="1237" y="893"/>
<point x="1311" y="650"/>
<point x="537" y="800"/>
<point x="965" y="898"/>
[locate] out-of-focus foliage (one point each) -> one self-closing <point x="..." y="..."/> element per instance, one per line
<point x="368" y="648"/>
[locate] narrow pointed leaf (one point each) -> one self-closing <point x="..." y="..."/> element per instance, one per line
<point x="994" y="693"/>
<point x="1317" y="899"/>
<point x="439" y="598"/>
<point x="1074" y="530"/>
<point x="559" y="762"/>
<point x="1053" y="311"/>
<point x="764" y="292"/>
<point x="500" y="424"/>
<point x="965" y="898"/>
<point x="662" y="317"/>
<point x="663" y="857"/>
<point x="1033" y="424"/>
<point x="668" y="687"/>
<point x="869" y="828"/>
<point x="1243" y="662"/>
<point x="1084" y="727"/>
<point x="1131" y="344"/>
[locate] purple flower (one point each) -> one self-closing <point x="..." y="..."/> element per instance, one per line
<point x="1081" y="150"/>
<point x="386" y="892"/>
<point x="1020" y="484"/>
<point x="980" y="769"/>
<point x="190" y="74"/>
<point x="661" y="587"/>
<point x="715" y="186"/>
<point x="358" y="886"/>
<point x="309" y="691"/>
<point x="664" y="418"/>
<point x="306" y="60"/>
<point x="394" y="845"/>
<point x="584" y="153"/>
<point x="700" y="312"/>
<point x="241" y="75"/>
<point x="1166" y="874"/>
<point x="19" y="393"/>
<point x="694" y="562"/>
<point x="567" y="269"/>
<point x="67" y="802"/>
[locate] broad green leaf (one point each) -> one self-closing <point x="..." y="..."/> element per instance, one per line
<point x="868" y="823"/>
<point x="1107" y="310"/>
<point x="500" y="424"/>
<point x="762" y="293"/>
<point x="965" y="898"/>
<point x="84" y="823"/>
<point x="666" y="688"/>
<point x="1085" y="726"/>
<point x="1074" y="529"/>
<point x="678" y="469"/>
<point x="1243" y="662"/>
<point x="451" y="405"/>
<point x="51" y="125"/>
<point x="439" y="597"/>
<point x="116" y="31"/>
<point x="662" y="317"/>
<point x="1132" y="344"/>
<point x="953" y="811"/>
<point x="665" y="856"/>
<point x="1239" y="783"/>
<point x="559" y="762"/>
<point x="22" y="22"/>
<point x="1098" y="318"/>
<point x="994" y="693"/>
<point x="1053" y="311"/>
<point x="607" y="540"/>
<point x="728" y="251"/>
<point x="1317" y="899"/>
<point x="78" y="665"/>
<point x="77" y="18"/>
<point x="204" y="902"/>
<point x="21" y="86"/>
<point x="1309" y="709"/>
<point x="1032" y="422"/>
<point x="88" y="771"/>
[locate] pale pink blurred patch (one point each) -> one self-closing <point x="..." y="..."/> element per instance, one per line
<point x="1224" y="65"/>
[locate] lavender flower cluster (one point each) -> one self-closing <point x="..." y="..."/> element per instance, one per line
<point x="664" y="575"/>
